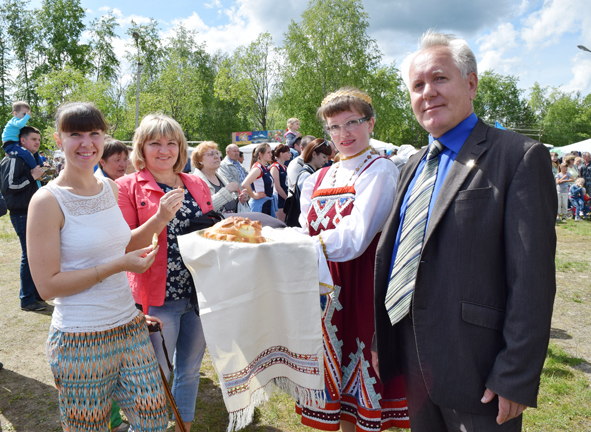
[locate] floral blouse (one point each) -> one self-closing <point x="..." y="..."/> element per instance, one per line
<point x="179" y="283"/>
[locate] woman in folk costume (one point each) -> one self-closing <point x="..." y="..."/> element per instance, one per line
<point x="344" y="208"/>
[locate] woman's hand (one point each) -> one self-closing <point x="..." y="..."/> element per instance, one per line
<point x="154" y="320"/>
<point x="243" y="197"/>
<point x="233" y="187"/>
<point x="140" y="260"/>
<point x="170" y="203"/>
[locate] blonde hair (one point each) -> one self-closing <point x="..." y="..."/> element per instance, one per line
<point x="19" y="105"/>
<point x="291" y="121"/>
<point x="154" y="127"/>
<point x="200" y="151"/>
<point x="580" y="181"/>
<point x="345" y="99"/>
<point x="569" y="158"/>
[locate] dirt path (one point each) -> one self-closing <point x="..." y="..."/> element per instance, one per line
<point x="28" y="399"/>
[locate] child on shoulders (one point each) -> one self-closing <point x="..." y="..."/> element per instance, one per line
<point x="21" y="112"/>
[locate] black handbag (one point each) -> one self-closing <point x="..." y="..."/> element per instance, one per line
<point x="207" y="220"/>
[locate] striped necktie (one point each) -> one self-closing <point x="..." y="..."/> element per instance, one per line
<point x="404" y="272"/>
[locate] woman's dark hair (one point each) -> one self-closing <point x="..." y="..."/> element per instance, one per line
<point x="80" y="117"/>
<point x="319" y="145"/>
<point x="261" y="149"/>
<point x="281" y="148"/>
<point x="112" y="147"/>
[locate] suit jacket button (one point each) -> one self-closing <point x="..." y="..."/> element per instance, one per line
<point x="143" y="203"/>
<point x="208" y="203"/>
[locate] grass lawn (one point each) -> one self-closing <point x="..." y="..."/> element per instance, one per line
<point x="28" y="399"/>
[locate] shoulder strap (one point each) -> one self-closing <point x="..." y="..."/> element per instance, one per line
<point x="321" y="176"/>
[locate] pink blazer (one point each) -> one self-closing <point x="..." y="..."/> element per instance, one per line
<point x="139" y="198"/>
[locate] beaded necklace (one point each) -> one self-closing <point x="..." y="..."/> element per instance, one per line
<point x="355" y="171"/>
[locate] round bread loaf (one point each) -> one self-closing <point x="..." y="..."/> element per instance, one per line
<point x="236" y="229"/>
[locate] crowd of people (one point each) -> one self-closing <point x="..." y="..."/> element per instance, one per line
<point x="436" y="321"/>
<point x="573" y="183"/>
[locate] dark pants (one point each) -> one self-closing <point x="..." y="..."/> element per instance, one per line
<point x="425" y="415"/>
<point x="267" y="207"/>
<point x="28" y="293"/>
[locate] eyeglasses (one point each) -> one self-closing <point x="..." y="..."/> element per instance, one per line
<point x="213" y="154"/>
<point x="350" y="126"/>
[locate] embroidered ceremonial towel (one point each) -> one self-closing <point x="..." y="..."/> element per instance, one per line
<point x="260" y="310"/>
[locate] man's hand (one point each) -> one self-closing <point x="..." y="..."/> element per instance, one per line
<point x="507" y="409"/>
<point x="37" y="172"/>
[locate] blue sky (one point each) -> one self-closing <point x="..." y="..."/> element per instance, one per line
<point x="535" y="40"/>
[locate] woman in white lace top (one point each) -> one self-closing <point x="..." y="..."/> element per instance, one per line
<point x="98" y="346"/>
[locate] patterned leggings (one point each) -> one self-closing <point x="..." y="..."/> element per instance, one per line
<point x="90" y="369"/>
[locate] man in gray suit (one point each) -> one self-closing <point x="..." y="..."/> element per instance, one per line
<point x="230" y="168"/>
<point x="464" y="278"/>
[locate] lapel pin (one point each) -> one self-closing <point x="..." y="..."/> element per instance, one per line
<point x="470" y="163"/>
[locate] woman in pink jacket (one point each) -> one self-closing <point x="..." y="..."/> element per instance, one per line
<point x="160" y="199"/>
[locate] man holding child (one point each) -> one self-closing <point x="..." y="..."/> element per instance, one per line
<point x="18" y="182"/>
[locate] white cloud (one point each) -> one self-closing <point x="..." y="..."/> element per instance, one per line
<point x="458" y="16"/>
<point x="581" y="80"/>
<point x="493" y="48"/>
<point x="125" y="21"/>
<point x="523" y="7"/>
<point x="503" y="38"/>
<point x="225" y="37"/>
<point x="213" y="4"/>
<point x="553" y="20"/>
<point x="246" y="20"/>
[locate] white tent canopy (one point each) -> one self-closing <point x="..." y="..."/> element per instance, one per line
<point x="248" y="149"/>
<point x="582" y="146"/>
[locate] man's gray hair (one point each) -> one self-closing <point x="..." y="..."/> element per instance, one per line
<point x="462" y="55"/>
<point x="585" y="154"/>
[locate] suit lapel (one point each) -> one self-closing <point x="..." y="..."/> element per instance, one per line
<point x="459" y="171"/>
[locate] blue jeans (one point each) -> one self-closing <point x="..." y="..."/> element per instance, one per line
<point x="579" y="204"/>
<point x="28" y="293"/>
<point x="183" y="335"/>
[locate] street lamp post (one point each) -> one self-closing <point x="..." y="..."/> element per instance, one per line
<point x="584" y="48"/>
<point x="136" y="36"/>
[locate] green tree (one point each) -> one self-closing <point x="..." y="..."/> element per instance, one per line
<point x="499" y="99"/>
<point x="104" y="61"/>
<point x="71" y="85"/>
<point x="148" y="51"/>
<point x="249" y="78"/>
<point x="5" y="66"/>
<point x="329" y="48"/>
<point x="395" y="121"/>
<point x="22" y="35"/>
<point x="567" y="119"/>
<point x="61" y="24"/>
<point x="538" y="101"/>
<point x="225" y="113"/>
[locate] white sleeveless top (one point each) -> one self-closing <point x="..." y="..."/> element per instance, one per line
<point x="94" y="233"/>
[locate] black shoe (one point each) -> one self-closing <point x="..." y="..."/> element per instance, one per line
<point x="1" y="366"/>
<point x="34" y="307"/>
